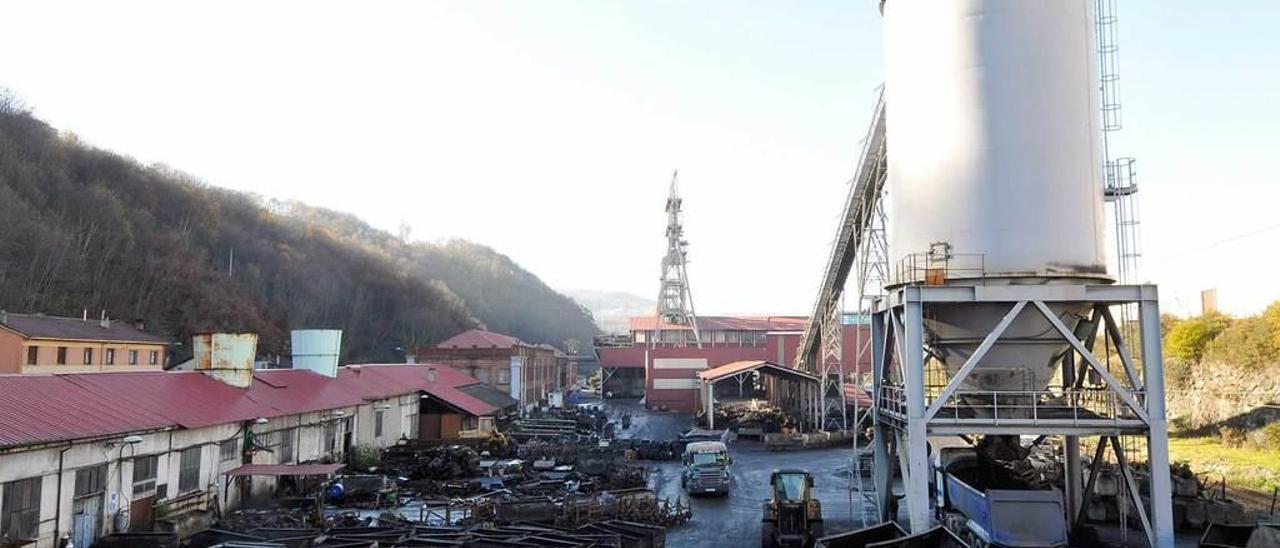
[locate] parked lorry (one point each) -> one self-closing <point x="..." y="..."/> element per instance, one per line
<point x="792" y="516"/>
<point x="986" y="516"/>
<point x="706" y="468"/>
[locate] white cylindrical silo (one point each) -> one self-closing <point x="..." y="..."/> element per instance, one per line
<point x="992" y="132"/>
<point x="994" y="161"/>
<point x="317" y="350"/>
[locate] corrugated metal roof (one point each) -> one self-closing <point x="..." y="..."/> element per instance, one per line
<point x="490" y="395"/>
<point x="285" y="469"/>
<point x="853" y="391"/>
<point x="728" y="323"/>
<point x="479" y="338"/>
<point x="734" y="368"/>
<point x="41" y="409"/>
<point x="77" y="329"/>
<point x="45" y="408"/>
<point x="187" y="399"/>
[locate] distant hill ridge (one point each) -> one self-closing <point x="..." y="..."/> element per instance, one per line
<point x="87" y="228"/>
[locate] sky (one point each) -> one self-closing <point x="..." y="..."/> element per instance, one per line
<point x="550" y="129"/>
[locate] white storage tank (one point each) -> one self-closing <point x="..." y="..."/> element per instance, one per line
<point x="317" y="350"/>
<point x="992" y="132"/>
<point x="994" y="163"/>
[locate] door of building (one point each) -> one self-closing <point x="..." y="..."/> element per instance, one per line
<point x="140" y="510"/>
<point x="429" y="426"/>
<point x="85" y="516"/>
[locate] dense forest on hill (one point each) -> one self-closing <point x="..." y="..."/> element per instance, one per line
<point x="84" y="228"/>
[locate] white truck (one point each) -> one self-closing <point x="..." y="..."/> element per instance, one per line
<point x="706" y="468"/>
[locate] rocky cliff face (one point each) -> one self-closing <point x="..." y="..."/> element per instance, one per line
<point x="1216" y="394"/>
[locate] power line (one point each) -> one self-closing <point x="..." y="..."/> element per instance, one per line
<point x="1217" y="243"/>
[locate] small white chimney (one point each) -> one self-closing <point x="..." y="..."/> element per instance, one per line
<point x="431" y="375"/>
<point x="104" y="322"/>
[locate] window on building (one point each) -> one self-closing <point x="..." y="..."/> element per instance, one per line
<point x="482" y="374"/>
<point x="227" y="449"/>
<point x="91" y="480"/>
<point x="133" y="357"/>
<point x="88" y="356"/>
<point x="330" y="432"/>
<point x="286" y="446"/>
<point x="21" y="509"/>
<point x="154" y="357"/>
<point x="504" y="376"/>
<point x="144" y="474"/>
<point x="109" y="356"/>
<point x="413" y="425"/>
<point x="189" y="469"/>
<point x="470" y="422"/>
<point x="62" y="355"/>
<point x="377" y="423"/>
<point x="33" y="355"/>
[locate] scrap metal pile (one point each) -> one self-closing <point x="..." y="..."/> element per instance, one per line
<point x="553" y="480"/>
<point x="629" y="449"/>
<point x="388" y="532"/>
<point x="1195" y="504"/>
<point x="754" y="419"/>
<point x="576" y="424"/>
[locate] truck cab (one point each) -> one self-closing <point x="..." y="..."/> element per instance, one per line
<point x="706" y="468"/>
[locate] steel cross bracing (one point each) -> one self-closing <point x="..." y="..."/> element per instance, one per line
<point x="675" y="301"/>
<point x="864" y="194"/>
<point x="834" y="413"/>
<point x="1131" y="403"/>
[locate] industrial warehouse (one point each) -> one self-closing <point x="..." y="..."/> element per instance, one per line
<point x="170" y="446"/>
<point x="928" y="311"/>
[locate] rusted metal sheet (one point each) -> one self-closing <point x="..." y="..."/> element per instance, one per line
<point x="227" y="357"/>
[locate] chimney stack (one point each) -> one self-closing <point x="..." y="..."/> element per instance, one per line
<point x="316" y="350"/>
<point x="140" y="324"/>
<point x="431" y="375"/>
<point x="227" y="357"/>
<point x="4" y="316"/>
<point x="105" y="322"/>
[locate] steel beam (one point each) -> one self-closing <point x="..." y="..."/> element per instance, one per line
<point x="976" y="357"/>
<point x="1121" y="347"/>
<point x="1073" y="479"/>
<point x="1114" y="383"/>
<point x="1132" y="486"/>
<point x="1157" y="433"/>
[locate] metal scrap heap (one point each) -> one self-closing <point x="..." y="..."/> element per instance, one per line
<point x="387" y="533"/>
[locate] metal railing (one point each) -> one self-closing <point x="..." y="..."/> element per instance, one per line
<point x="936" y="268"/>
<point x="1071" y="406"/>
<point x="183" y="504"/>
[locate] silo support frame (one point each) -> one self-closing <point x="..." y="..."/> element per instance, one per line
<point x="903" y="418"/>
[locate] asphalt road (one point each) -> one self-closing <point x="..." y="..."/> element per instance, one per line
<point x="734" y="520"/>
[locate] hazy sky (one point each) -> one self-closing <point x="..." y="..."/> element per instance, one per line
<point x="549" y="129"/>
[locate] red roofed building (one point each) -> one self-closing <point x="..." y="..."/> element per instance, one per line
<point x="180" y="435"/>
<point x="527" y="372"/>
<point x="662" y="364"/>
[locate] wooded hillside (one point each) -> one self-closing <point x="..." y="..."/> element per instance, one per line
<point x="83" y="228"/>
